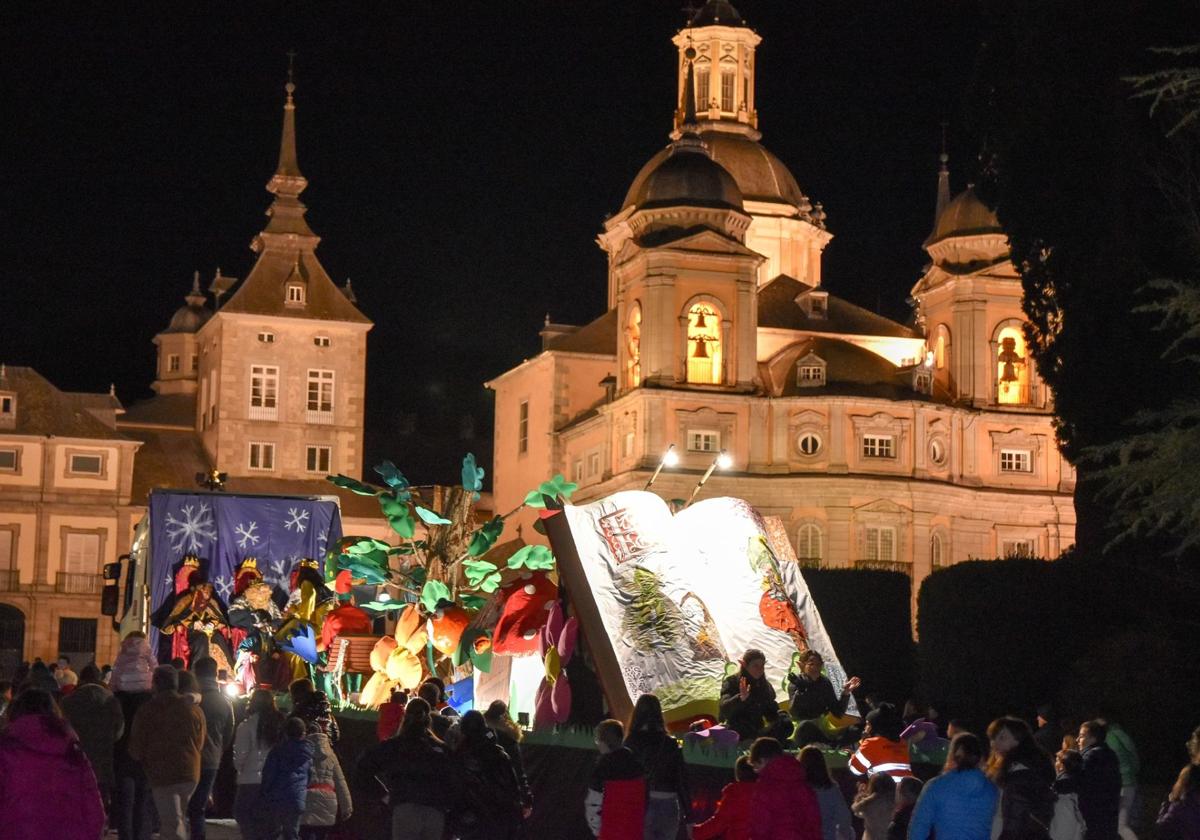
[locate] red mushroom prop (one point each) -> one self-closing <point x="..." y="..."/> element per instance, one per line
<point x="528" y="600"/>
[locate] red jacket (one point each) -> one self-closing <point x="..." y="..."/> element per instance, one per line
<point x="784" y="806"/>
<point x="732" y="819"/>
<point x="41" y="765"/>
<point x="391" y="715"/>
<point x="624" y="811"/>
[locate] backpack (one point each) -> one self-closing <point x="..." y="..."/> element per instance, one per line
<point x="1068" y="820"/>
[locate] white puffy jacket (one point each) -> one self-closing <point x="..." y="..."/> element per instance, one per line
<point x="328" y="794"/>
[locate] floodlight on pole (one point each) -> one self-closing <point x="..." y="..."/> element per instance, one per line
<point x="723" y="461"/>
<point x="669" y="459"/>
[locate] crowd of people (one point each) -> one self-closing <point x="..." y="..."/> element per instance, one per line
<point x="137" y="747"/>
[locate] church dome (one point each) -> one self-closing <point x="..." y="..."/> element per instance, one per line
<point x="758" y="174"/>
<point x="188" y="319"/>
<point x="717" y="13"/>
<point x="965" y="215"/>
<point x="683" y="175"/>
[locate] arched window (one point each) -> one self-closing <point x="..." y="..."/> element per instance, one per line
<point x="704" y="344"/>
<point x="728" y="82"/>
<point x="936" y="554"/>
<point x="1012" y="366"/>
<point x="941" y="347"/>
<point x="810" y="542"/>
<point x="703" y="77"/>
<point x="633" y="347"/>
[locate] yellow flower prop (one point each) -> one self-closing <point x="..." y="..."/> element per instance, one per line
<point x="397" y="661"/>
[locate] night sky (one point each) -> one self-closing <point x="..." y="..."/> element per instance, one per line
<point x="461" y="159"/>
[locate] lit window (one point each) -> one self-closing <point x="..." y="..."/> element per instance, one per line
<point x="878" y="446"/>
<point x="87" y="464"/>
<point x="266" y="337"/>
<point x="320" y="390"/>
<point x="703" y="440"/>
<point x="809" y="542"/>
<point x="523" y="427"/>
<point x="1012" y="368"/>
<point x="633" y="347"/>
<point x="1017" y="548"/>
<point x="880" y="545"/>
<point x="1015" y="460"/>
<point x="317" y="459"/>
<point x="727" y="87"/>
<point x="704" y="345"/>
<point x="295" y="293"/>
<point x="941" y="347"/>
<point x="935" y="551"/>
<point x="321" y="340"/>
<point x="8" y="460"/>
<point x="262" y="456"/>
<point x="809" y="443"/>
<point x="702" y="85"/>
<point x="173" y="363"/>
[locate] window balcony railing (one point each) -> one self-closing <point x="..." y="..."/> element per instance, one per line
<point x="264" y="412"/>
<point x="9" y="580"/>
<point x="885" y="566"/>
<point x="79" y="584"/>
<point x="810" y="562"/>
<point x="322" y="418"/>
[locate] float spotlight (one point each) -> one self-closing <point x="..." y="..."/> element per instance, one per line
<point x="723" y="461"/>
<point x="669" y="459"/>
<point x="232" y="690"/>
<point x="384" y="597"/>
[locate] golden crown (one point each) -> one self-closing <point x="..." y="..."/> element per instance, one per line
<point x="191" y="560"/>
<point x="248" y="564"/>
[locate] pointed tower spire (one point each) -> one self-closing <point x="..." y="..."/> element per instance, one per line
<point x="195" y="297"/>
<point x="286" y="211"/>
<point x="943" y="185"/>
<point x="287" y="143"/>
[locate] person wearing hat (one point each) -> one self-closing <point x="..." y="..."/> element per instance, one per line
<point x="1049" y="735"/>
<point x="748" y="703"/>
<point x="881" y="750"/>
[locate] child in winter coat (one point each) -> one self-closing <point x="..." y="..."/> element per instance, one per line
<point x="908" y="790"/>
<point x="732" y="819"/>
<point x="784" y="804"/>
<point x="285" y="780"/>
<point x="134" y="664"/>
<point x="874" y="806"/>
<point x="328" y="797"/>
<point x="616" y="797"/>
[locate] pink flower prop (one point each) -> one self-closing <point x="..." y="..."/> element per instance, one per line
<point x="556" y="644"/>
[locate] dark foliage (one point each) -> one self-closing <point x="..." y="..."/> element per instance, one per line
<point x="869" y="619"/>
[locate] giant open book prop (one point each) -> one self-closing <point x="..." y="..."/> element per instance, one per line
<point x="668" y="603"/>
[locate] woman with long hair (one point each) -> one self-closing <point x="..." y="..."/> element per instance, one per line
<point x="252" y="742"/>
<point x="1179" y="817"/>
<point x="508" y="736"/>
<point x="493" y="801"/>
<point x="835" y="813"/>
<point x="1025" y="776"/>
<point x="961" y="801"/>
<point x="42" y="763"/>
<point x="668" y="799"/>
<point x="874" y="805"/>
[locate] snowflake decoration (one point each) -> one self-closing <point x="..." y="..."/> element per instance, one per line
<point x="298" y="520"/>
<point x="636" y="679"/>
<point x="279" y="570"/>
<point x="246" y="536"/>
<point x="224" y="586"/>
<point x="169" y="581"/>
<point x="194" y="525"/>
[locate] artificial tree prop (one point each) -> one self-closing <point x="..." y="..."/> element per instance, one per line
<point x="445" y="574"/>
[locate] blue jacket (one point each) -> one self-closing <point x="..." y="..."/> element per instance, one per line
<point x="285" y="775"/>
<point x="958" y="804"/>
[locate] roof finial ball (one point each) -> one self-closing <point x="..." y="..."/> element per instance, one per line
<point x="290" y="87"/>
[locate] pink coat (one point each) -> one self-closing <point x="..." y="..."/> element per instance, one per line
<point x="783" y="805"/>
<point x="134" y="666"/>
<point x="41" y="766"/>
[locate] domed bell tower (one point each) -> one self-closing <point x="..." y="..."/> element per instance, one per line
<point x="178" y="361"/>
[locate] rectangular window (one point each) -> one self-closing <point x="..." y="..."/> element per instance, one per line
<point x="262" y="456"/>
<point x="1016" y="460"/>
<point x="266" y="337"/>
<point x="195" y="363"/>
<point x="264" y="392"/>
<point x="8" y="405"/>
<point x="577" y="472"/>
<point x="703" y="440"/>
<point x="627" y="445"/>
<point x="320" y="396"/>
<point x="321" y="341"/>
<point x="8" y="460"/>
<point x="523" y="427"/>
<point x="881" y="545"/>
<point x="702" y="92"/>
<point x="77" y="636"/>
<point x="810" y="376"/>
<point x="81" y="554"/>
<point x="593" y="468"/>
<point x="8" y="550"/>
<point x="727" y="82"/>
<point x="878" y="446"/>
<point x="173" y="363"/>
<point x="295" y="293"/>
<point x="1017" y="548"/>
<point x="317" y="459"/>
<point x="86" y="464"/>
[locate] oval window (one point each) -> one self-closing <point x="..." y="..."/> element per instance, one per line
<point x="937" y="451"/>
<point x="809" y="443"/>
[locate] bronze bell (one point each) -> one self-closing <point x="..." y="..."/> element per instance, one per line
<point x="701" y="351"/>
<point x="701" y="322"/>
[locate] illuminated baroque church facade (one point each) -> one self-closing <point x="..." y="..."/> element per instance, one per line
<point x="876" y="443"/>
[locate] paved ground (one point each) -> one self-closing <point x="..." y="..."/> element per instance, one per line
<point x="216" y="830"/>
